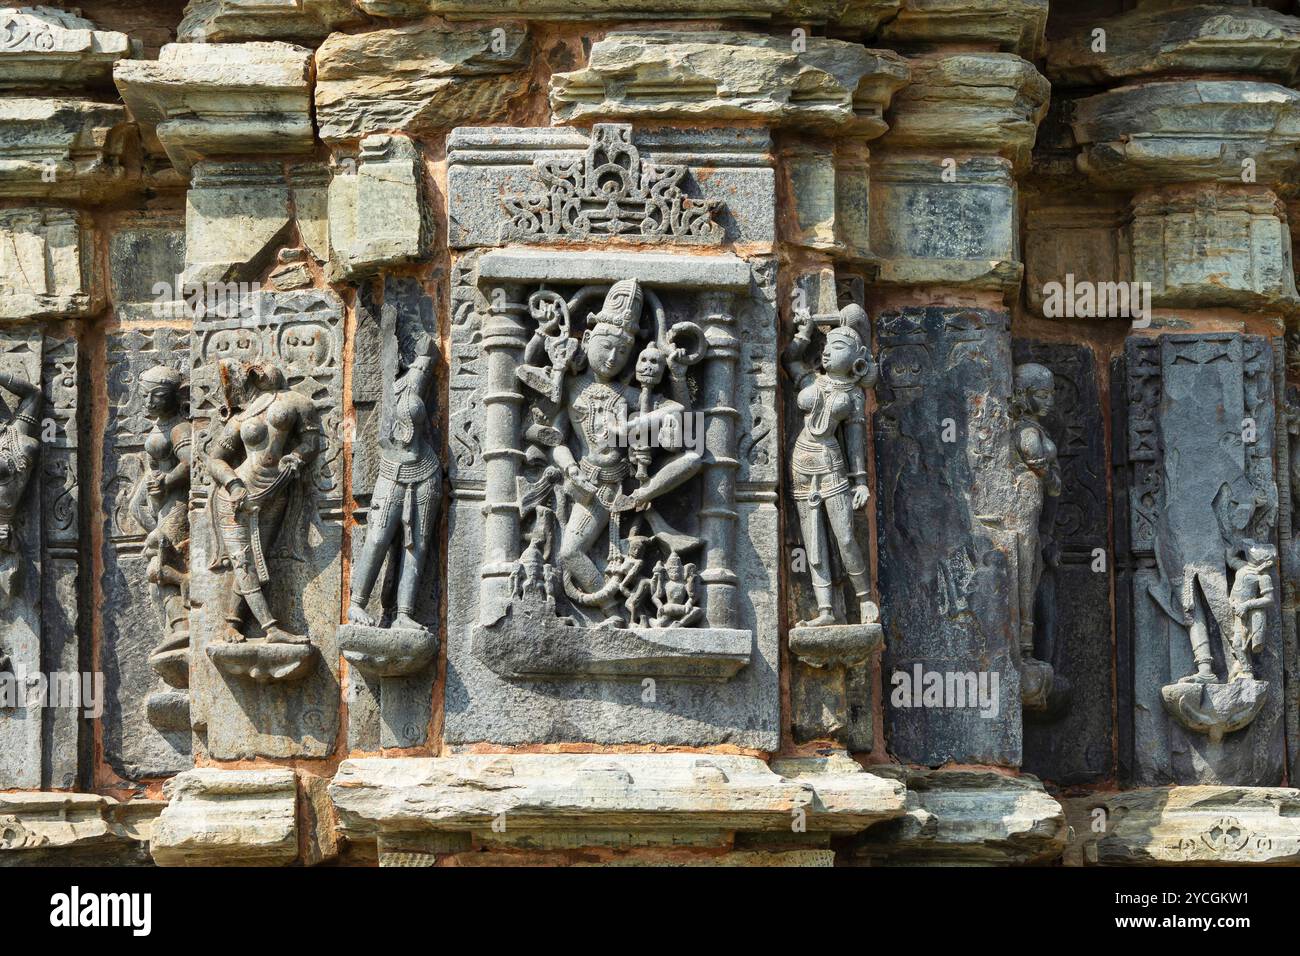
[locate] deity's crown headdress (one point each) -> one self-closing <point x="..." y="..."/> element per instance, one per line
<point x="621" y="313"/>
<point x="853" y="319"/>
<point x="161" y="375"/>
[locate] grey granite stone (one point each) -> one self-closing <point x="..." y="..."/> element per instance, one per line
<point x="493" y="572"/>
<point x="301" y="335"/>
<point x="1072" y="631"/>
<point x="135" y="622"/>
<point x="1195" y="433"/>
<point x="947" y="571"/>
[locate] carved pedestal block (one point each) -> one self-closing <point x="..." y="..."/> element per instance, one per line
<point x="1200" y="632"/>
<point x="927" y="228"/>
<point x="1214" y="246"/>
<point x="237" y="214"/>
<point x="419" y="809"/>
<point x="831" y="690"/>
<point x="377" y="215"/>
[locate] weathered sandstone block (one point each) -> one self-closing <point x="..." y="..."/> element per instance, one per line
<point x="832" y="85"/>
<point x="46" y="47"/>
<point x="228" y="818"/>
<point x="418" y="78"/>
<point x="204" y="100"/>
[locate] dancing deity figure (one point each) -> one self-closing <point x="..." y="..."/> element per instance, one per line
<point x="257" y="461"/>
<point x="596" y="404"/>
<point x="405" y="502"/>
<point x="160" y="502"/>
<point x="1037" y="474"/>
<point x="829" y="466"/>
<point x="19" y="449"/>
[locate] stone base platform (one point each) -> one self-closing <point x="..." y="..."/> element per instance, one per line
<point x="1197" y="826"/>
<point x="541" y="646"/>
<point x="387" y="651"/>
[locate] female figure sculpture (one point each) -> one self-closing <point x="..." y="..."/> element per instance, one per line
<point x="160" y="502"/>
<point x="1037" y="475"/>
<point x="19" y="449"/>
<point x="829" y="465"/>
<point x="258" y="457"/>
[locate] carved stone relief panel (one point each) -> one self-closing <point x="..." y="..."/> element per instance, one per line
<point x="834" y="621"/>
<point x="39" y="555"/>
<point x="696" y="187"/>
<point x="947" y="549"/>
<point x="1071" y="741"/>
<point x="613" y="538"/>
<point x="390" y="640"/>
<point x="266" y="525"/>
<point x="1200" y="636"/>
<point x="145" y="584"/>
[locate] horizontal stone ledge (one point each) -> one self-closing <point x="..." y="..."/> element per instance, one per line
<point x="228" y="818"/>
<point x="812" y="10"/>
<point x="684" y="271"/>
<point x="592" y="796"/>
<point x="1194" y="826"/>
<point x="972" y="817"/>
<point x="41" y="829"/>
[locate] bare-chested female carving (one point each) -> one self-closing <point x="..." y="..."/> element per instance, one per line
<point x="260" y="453"/>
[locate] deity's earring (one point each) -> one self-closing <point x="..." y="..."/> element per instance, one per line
<point x="861" y="364"/>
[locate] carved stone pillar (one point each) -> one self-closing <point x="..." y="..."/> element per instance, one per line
<point x="503" y="340"/>
<point x="1201" y="634"/>
<point x="718" y="515"/>
<point x="951" y="509"/>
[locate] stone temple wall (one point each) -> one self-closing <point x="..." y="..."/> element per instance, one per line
<point x="796" y="432"/>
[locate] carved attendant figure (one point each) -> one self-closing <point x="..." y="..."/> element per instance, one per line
<point x="829" y="466"/>
<point x="19" y="448"/>
<point x="406" y="497"/>
<point x="260" y="454"/>
<point x="1250" y="598"/>
<point x="160" y="502"/>
<point x="1037" y="474"/>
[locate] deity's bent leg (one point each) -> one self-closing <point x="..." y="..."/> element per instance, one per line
<point x="672" y="473"/>
<point x="382" y="523"/>
<point x="817" y="548"/>
<point x="414" y="556"/>
<point x="581" y="531"/>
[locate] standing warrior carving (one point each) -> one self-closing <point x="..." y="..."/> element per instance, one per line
<point x="406" y="498"/>
<point x="1037" y="474"/>
<point x="19" y="448"/>
<point x="160" y="502"/>
<point x="829" y="466"/>
<point x="256" y="463"/>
